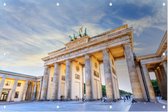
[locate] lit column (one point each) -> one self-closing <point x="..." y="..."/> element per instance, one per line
<point x="141" y="81"/>
<point x="55" y="82"/>
<point x="158" y="78"/>
<point x="148" y="84"/>
<point x="82" y="83"/>
<point x="88" y="78"/>
<point x="11" y="97"/>
<point x="40" y="88"/>
<point x="163" y="71"/>
<point x="135" y="83"/>
<point x="45" y="83"/>
<point x="68" y="80"/>
<point x="34" y="91"/>
<point x="2" y="84"/>
<point x="108" y="75"/>
<point x="23" y="95"/>
<point x="165" y="66"/>
<point x="163" y="81"/>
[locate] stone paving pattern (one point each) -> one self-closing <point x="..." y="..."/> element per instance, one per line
<point x="81" y="106"/>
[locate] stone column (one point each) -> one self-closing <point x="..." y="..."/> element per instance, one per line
<point x="40" y="88"/>
<point x="141" y="81"/>
<point x="108" y="75"/>
<point x="165" y="66"/>
<point x="150" y="89"/>
<point x="164" y="74"/>
<point x="82" y="83"/>
<point x="45" y="83"/>
<point x="135" y="83"/>
<point x="2" y="84"/>
<point x="13" y="90"/>
<point x="163" y="81"/>
<point x="68" y="80"/>
<point x="34" y="91"/>
<point x="160" y="77"/>
<point x="88" y="78"/>
<point x="158" y="81"/>
<point x="55" y="82"/>
<point x="23" y="94"/>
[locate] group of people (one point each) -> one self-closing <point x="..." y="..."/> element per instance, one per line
<point x="104" y="99"/>
<point x="126" y="97"/>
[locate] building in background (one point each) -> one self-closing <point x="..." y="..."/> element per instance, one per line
<point x="19" y="87"/>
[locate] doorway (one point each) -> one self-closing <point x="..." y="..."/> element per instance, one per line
<point x="4" y="95"/>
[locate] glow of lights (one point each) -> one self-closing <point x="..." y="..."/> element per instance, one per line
<point x="164" y="4"/>
<point x="57" y="106"/>
<point x="4" y="54"/>
<point x="57" y="4"/>
<point x="4" y="4"/>
<point x="110" y="4"/>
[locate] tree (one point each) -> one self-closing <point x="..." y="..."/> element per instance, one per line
<point x="155" y="87"/>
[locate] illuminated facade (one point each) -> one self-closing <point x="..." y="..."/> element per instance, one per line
<point x="19" y="87"/>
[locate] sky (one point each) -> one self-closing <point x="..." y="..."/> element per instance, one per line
<point x="29" y="29"/>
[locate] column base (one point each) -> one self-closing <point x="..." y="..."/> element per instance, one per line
<point x="152" y="100"/>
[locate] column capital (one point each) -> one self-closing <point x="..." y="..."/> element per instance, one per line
<point x="16" y="79"/>
<point x="106" y="50"/>
<point x="87" y="56"/>
<point x="56" y="63"/>
<point x="46" y="66"/>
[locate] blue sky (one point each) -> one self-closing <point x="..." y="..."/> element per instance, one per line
<point x="29" y="29"/>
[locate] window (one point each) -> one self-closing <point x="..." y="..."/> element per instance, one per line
<point x="19" y="84"/>
<point x="16" y="94"/>
<point x="7" y="83"/>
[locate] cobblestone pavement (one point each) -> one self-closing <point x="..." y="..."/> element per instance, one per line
<point x="80" y="106"/>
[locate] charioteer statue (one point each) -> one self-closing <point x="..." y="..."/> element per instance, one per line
<point x="80" y="34"/>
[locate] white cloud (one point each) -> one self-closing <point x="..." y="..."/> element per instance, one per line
<point x="158" y="20"/>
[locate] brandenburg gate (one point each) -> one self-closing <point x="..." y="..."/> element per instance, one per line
<point x="66" y="69"/>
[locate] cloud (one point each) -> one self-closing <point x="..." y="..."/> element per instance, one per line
<point x="158" y="20"/>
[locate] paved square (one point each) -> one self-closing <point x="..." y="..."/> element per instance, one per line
<point x="81" y="106"/>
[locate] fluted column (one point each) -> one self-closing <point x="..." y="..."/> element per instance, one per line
<point x="135" y="83"/>
<point x="34" y="91"/>
<point x="11" y="96"/>
<point x="23" y="94"/>
<point x="150" y="89"/>
<point x="2" y="84"/>
<point x="88" y="78"/>
<point x="40" y="88"/>
<point x="163" y="81"/>
<point x="165" y="67"/>
<point x="45" y="83"/>
<point x="68" y="80"/>
<point x="55" y="82"/>
<point x="158" y="81"/>
<point x="108" y="75"/>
